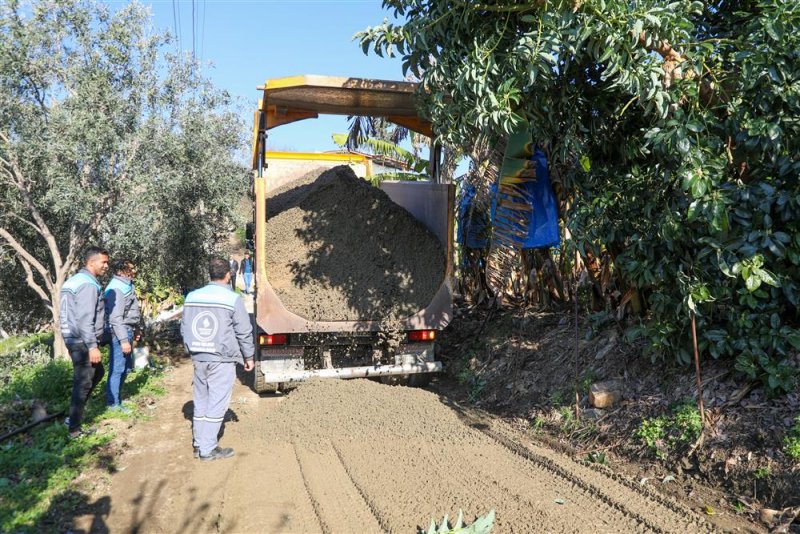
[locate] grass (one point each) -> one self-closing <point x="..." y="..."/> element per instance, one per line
<point x="763" y="472"/>
<point x="37" y="468"/>
<point x="792" y="441"/>
<point x="15" y="344"/>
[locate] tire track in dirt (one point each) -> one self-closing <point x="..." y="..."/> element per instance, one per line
<point x="412" y="458"/>
<point x="384" y="524"/>
<point x="314" y="503"/>
<point x="689" y="522"/>
<point x="336" y="498"/>
<point x="475" y="478"/>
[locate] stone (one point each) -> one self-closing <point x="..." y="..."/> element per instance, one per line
<point x="605" y="394"/>
<point x="592" y="414"/>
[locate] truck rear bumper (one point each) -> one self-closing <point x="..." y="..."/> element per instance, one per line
<point x="287" y="365"/>
<point x="355" y="372"/>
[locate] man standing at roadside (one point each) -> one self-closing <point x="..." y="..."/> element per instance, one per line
<point x="82" y="317"/>
<point x="234" y="268"/>
<point x="247" y="272"/>
<point x="217" y="333"/>
<point x="122" y="316"/>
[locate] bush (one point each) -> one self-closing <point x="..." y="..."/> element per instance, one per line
<point x="18" y="354"/>
<point x="666" y="434"/>
<point x="50" y="383"/>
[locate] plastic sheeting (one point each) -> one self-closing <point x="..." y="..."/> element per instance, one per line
<point x="473" y="223"/>
<point x="543" y="230"/>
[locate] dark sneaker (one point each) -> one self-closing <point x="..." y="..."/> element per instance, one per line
<point x="196" y="451"/>
<point x="217" y="454"/>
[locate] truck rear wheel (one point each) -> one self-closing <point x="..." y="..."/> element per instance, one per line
<point x="259" y="385"/>
<point x="419" y="380"/>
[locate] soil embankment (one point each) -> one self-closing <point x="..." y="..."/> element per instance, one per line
<point x="338" y="249"/>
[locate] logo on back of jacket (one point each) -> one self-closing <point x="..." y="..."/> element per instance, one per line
<point x="204" y="328"/>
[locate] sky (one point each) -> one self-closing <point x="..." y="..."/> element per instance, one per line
<point x="248" y="42"/>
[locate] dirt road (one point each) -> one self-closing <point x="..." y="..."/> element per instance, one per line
<point x="358" y="456"/>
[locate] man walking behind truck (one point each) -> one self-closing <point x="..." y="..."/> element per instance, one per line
<point x="122" y="316"/>
<point x="82" y="316"/>
<point x="218" y="334"/>
<point x="247" y="272"/>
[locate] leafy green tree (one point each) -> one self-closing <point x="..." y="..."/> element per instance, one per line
<point x="671" y="129"/>
<point x="106" y="137"/>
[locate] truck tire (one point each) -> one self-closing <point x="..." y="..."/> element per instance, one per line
<point x="419" y="380"/>
<point x="261" y="387"/>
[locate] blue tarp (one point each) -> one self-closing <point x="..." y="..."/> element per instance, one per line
<point x="472" y="222"/>
<point x="543" y="231"/>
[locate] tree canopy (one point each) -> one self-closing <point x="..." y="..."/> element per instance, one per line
<point x="107" y="137"/>
<point x="672" y="131"/>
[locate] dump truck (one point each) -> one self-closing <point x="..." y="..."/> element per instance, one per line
<point x="292" y="348"/>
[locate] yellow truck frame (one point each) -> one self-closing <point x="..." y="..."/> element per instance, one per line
<point x="283" y="357"/>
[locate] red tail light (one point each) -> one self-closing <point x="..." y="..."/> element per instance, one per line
<point x="273" y="339"/>
<point x="422" y="335"/>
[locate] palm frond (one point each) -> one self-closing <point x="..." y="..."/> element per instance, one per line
<point x="513" y="207"/>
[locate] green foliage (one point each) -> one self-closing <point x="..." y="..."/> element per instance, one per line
<point x="385" y="147"/>
<point x="107" y="137"/>
<point x="597" y="458"/>
<point x="36" y="468"/>
<point x="792" y="441"/>
<point x="537" y="424"/>
<point x="763" y="472"/>
<point x="51" y="383"/>
<point x="482" y="525"/>
<point x="670" y="127"/>
<point x="14" y="344"/>
<point x="31" y="474"/>
<point x="652" y="433"/>
<point x="662" y="435"/>
<point x="569" y="423"/>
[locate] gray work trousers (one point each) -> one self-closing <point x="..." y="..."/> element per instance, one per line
<point x="212" y="385"/>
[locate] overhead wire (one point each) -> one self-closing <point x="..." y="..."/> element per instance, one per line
<point x="180" y="27"/>
<point x="203" y="32"/>
<point x="194" y="41"/>
<point x="175" y="24"/>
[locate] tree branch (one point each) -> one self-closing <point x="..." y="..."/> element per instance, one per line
<point x="24" y="254"/>
<point x="75" y="244"/>
<point x="662" y="48"/>
<point x="44" y="230"/>
<point x="33" y="285"/>
<point x="26" y="221"/>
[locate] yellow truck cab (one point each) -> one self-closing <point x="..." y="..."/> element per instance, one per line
<point x="292" y="348"/>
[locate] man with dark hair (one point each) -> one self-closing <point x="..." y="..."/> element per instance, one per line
<point x="122" y="316"/>
<point x="82" y="318"/>
<point x="216" y="332"/>
<point x="247" y="272"/>
<point x="234" y="268"/>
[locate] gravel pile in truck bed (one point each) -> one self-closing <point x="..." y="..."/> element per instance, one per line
<point x="338" y="249"/>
